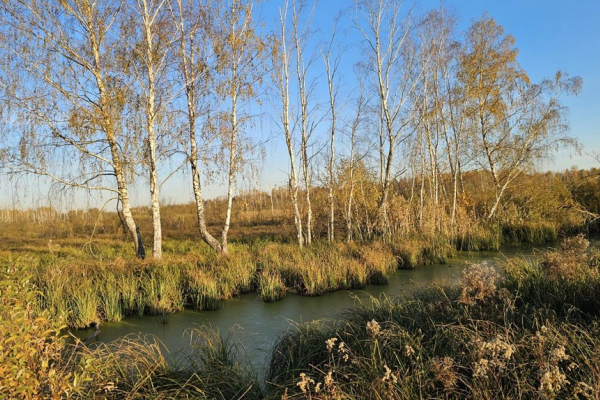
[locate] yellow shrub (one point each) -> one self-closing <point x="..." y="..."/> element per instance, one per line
<point x="31" y="347"/>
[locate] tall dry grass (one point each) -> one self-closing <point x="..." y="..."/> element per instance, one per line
<point x="528" y="331"/>
<point x="93" y="289"/>
<point x="38" y="360"/>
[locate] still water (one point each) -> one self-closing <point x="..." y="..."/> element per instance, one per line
<point x="258" y="324"/>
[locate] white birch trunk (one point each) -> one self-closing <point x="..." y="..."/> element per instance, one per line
<point x="108" y="126"/>
<point x="331" y="71"/>
<point x="301" y="69"/>
<point x="331" y="230"/>
<point x="151" y="130"/>
<point x="349" y="226"/>
<point x="189" y="72"/>
<point x="231" y="175"/>
<point x="282" y="67"/>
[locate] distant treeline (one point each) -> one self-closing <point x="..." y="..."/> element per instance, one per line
<point x="561" y="201"/>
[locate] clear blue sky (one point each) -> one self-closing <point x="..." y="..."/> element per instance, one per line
<point x="550" y="35"/>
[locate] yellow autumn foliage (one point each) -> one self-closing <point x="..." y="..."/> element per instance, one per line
<point x="32" y="349"/>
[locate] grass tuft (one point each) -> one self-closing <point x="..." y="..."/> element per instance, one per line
<point x="271" y="286"/>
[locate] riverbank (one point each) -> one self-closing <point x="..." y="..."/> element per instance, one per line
<point x="91" y="291"/>
<point x="92" y="284"/>
<point x="259" y="323"/>
<point x="528" y="331"/>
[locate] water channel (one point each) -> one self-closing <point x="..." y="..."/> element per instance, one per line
<point x="258" y="324"/>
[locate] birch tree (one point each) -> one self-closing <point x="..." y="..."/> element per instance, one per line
<point x="151" y="49"/>
<point x="66" y="96"/>
<point x="355" y="124"/>
<point x="220" y="63"/>
<point x="392" y="64"/>
<point x="513" y="122"/>
<point x="195" y="70"/>
<point x="280" y="57"/>
<point x="455" y="136"/>
<point x="239" y="51"/>
<point x="433" y="123"/>
<point x="301" y="34"/>
<point x="332" y="63"/>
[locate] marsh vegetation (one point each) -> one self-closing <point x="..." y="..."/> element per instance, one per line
<point x="424" y="145"/>
<point x="527" y="330"/>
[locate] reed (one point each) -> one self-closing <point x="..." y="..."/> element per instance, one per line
<point x="42" y="362"/>
<point x="407" y="255"/>
<point x="314" y="278"/>
<point x="216" y="366"/>
<point x="271" y="286"/>
<point x="534" y="232"/>
<point x="479" y="238"/>
<point x="84" y="306"/>
<point x="237" y="271"/>
<point x="132" y="367"/>
<point x="127" y="282"/>
<point x="413" y="251"/>
<point x="379" y="261"/>
<point x="358" y="273"/>
<point x="53" y="285"/>
<point x="287" y="259"/>
<point x="500" y="335"/>
<point x="202" y="290"/>
<point x="110" y="290"/>
<point x="162" y="290"/>
<point x="529" y="330"/>
<point x="566" y="280"/>
<point x="90" y="288"/>
<point x="110" y="293"/>
<point x="437" y="250"/>
<point x="136" y="367"/>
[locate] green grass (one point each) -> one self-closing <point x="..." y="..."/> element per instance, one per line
<point x="202" y="290"/>
<point x="161" y="287"/>
<point x="530" y="232"/>
<point x="416" y="250"/>
<point x="479" y="238"/>
<point x="92" y="289"/>
<point x="217" y="366"/>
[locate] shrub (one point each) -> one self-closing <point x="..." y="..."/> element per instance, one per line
<point x="32" y="349"/>
<point x="480" y="282"/>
